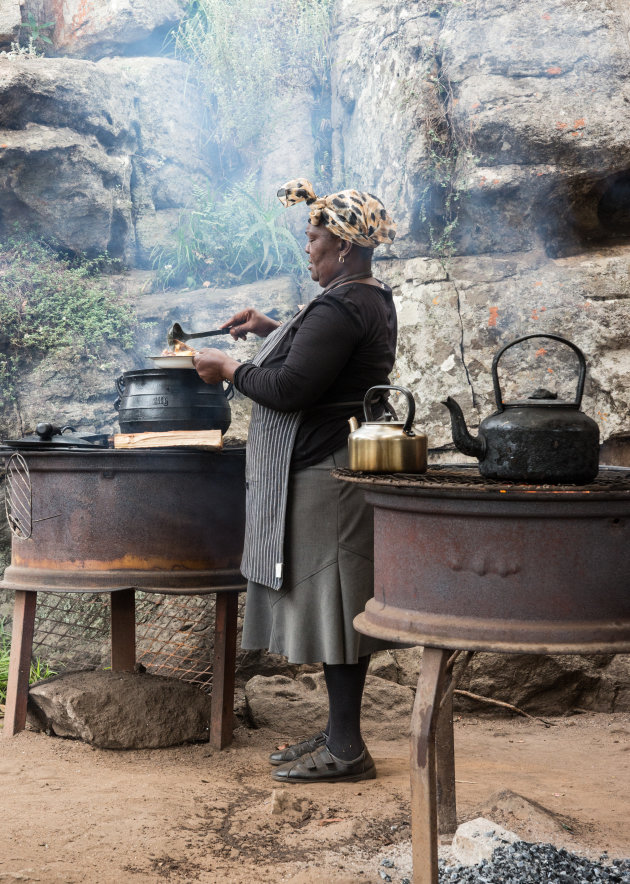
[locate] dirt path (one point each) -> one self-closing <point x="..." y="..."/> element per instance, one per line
<point x="75" y="814"/>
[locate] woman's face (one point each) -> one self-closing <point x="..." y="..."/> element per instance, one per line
<point x="323" y="249"/>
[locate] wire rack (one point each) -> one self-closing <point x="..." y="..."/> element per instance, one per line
<point x="174" y="633"/>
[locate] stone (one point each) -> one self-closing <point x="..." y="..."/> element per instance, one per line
<point x="10" y="22"/>
<point x="543" y="116"/>
<point x="399" y="665"/>
<point x="539" y="684"/>
<point x="283" y="803"/>
<point x="171" y="160"/>
<point x="101" y="156"/>
<point x="66" y="131"/>
<point x="529" y="819"/>
<point x="549" y="685"/>
<point x="476" y="840"/>
<point x="298" y="707"/>
<point x="94" y="28"/>
<point x="495" y="129"/>
<point x="382" y="60"/>
<point x="120" y="710"/>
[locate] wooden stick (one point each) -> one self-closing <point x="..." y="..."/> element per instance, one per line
<point x="208" y="440"/>
<point x="503" y="705"/>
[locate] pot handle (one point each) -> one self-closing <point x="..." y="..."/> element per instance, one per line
<point x="120" y="384"/>
<point x="411" y="406"/>
<point x="498" y="395"/>
<point x="229" y="391"/>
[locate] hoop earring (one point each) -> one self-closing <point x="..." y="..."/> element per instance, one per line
<point x="341" y="259"/>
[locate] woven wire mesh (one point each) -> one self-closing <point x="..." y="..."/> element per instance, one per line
<point x="174" y="633"/>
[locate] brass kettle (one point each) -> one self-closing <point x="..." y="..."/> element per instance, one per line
<point x="386" y="446"/>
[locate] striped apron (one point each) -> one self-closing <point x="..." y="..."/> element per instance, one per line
<point x="269" y="449"/>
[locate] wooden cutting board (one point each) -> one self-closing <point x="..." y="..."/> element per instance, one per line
<point x="208" y="440"/>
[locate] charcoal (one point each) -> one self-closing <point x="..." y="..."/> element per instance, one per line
<point x="524" y="863"/>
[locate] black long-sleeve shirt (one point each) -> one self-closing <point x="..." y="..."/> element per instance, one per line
<point x="343" y="344"/>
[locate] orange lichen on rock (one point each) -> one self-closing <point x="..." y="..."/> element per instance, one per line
<point x="554" y="71"/>
<point x="494" y="315"/>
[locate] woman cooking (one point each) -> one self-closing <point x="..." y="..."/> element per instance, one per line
<point x="308" y="552"/>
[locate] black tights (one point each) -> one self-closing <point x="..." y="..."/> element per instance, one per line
<point x="345" y="683"/>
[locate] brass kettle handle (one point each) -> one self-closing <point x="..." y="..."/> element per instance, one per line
<point x="411" y="406"/>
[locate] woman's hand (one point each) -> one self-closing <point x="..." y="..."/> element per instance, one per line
<point x="214" y="366"/>
<point x="250" y="320"/>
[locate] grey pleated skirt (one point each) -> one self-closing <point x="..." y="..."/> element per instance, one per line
<point x="328" y="574"/>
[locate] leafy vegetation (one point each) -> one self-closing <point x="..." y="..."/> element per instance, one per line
<point x="51" y="303"/>
<point x="238" y="236"/>
<point x="36" y="30"/>
<point x="249" y="56"/>
<point x="249" y="59"/>
<point x="448" y="150"/>
<point x="39" y="670"/>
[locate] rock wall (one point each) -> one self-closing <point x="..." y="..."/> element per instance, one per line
<point x="498" y="134"/>
<point x="91" y="158"/>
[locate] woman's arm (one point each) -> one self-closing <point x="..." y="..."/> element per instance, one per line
<point x="214" y="366"/>
<point x="250" y="320"/>
<point x="319" y="351"/>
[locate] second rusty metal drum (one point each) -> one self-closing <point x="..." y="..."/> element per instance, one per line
<point x="168" y="520"/>
<point x="466" y="564"/>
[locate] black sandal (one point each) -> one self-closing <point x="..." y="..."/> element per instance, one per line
<point x="321" y="766"/>
<point x="291" y="753"/>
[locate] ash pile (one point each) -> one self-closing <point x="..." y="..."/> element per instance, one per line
<point x="524" y="863"/>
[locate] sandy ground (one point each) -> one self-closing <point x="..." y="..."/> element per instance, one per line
<point x="72" y="813"/>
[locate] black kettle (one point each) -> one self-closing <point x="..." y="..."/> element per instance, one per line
<point x="538" y="440"/>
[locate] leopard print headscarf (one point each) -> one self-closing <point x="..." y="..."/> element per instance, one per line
<point x="352" y="215"/>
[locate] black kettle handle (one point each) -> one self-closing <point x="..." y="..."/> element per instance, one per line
<point x="229" y="391"/>
<point x="120" y="384"/>
<point x="498" y="396"/>
<point x="411" y="406"/>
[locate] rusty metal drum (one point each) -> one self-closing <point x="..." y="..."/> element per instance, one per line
<point x="164" y="520"/>
<point x="465" y="563"/>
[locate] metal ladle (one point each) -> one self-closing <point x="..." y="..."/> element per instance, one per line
<point x="177" y="333"/>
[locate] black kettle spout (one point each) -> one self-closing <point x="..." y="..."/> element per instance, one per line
<point x="473" y="446"/>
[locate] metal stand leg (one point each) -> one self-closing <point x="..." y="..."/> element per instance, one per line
<point x="20" y="662"/>
<point x="445" y="747"/>
<point x="123" y="630"/>
<point x="424" y="722"/>
<point x="223" y="670"/>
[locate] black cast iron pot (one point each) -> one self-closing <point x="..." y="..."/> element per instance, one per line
<point x="162" y="399"/>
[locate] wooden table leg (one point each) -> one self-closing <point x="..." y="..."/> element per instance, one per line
<point x="20" y="661"/>
<point x="445" y="748"/>
<point x="123" y="630"/>
<point x="424" y="720"/>
<point x="223" y="670"/>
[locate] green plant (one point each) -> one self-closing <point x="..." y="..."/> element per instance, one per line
<point x="235" y="236"/>
<point x="36" y="29"/>
<point x="39" y="669"/>
<point x="50" y="303"/>
<point x="447" y="149"/>
<point x="249" y="56"/>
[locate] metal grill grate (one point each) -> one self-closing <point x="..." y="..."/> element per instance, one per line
<point x="609" y="483"/>
<point x="18" y="498"/>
